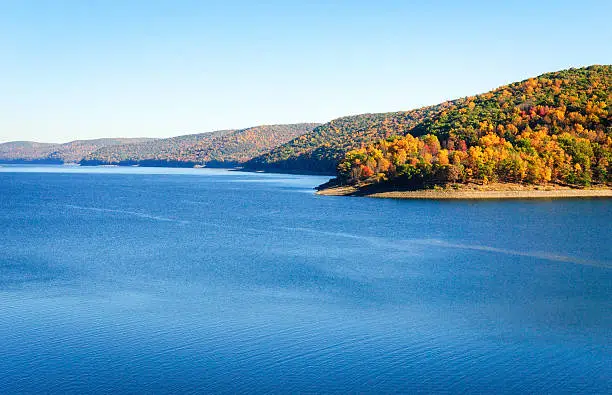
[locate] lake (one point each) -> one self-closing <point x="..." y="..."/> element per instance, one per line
<point x="149" y="280"/>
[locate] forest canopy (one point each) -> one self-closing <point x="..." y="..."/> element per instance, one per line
<point x="555" y="128"/>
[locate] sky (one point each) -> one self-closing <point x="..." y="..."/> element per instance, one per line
<point x="129" y="68"/>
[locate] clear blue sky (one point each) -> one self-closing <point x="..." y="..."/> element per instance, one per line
<point x="93" y="68"/>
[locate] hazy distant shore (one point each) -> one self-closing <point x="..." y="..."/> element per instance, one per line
<point x="471" y="191"/>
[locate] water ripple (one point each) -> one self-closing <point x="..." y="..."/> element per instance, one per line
<point x="132" y="213"/>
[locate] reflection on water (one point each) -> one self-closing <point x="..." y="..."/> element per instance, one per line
<point x="196" y="280"/>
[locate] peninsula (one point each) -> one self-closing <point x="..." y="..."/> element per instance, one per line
<point x="548" y="136"/>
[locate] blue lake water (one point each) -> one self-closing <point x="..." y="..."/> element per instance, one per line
<point x="132" y="280"/>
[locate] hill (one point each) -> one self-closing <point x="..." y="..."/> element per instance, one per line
<point x="220" y="148"/>
<point x="320" y="150"/>
<point x="32" y="152"/>
<point x="173" y="149"/>
<point x="555" y="128"/>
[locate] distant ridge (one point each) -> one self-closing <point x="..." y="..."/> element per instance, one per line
<point x="218" y="149"/>
<point x="71" y="152"/>
<point x="221" y="148"/>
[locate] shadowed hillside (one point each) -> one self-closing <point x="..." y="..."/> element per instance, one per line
<point x="320" y="150"/>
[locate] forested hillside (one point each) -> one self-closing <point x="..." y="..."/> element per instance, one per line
<point x="242" y="145"/>
<point x="221" y="148"/>
<point x="555" y="128"/>
<point x="173" y="149"/>
<point x="28" y="151"/>
<point x="321" y="149"/>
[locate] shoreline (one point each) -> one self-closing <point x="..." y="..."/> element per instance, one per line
<point x="473" y="192"/>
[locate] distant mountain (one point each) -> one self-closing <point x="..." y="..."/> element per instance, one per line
<point x="173" y="149"/>
<point x="221" y="148"/>
<point x="320" y="150"/>
<point x="554" y="128"/>
<point x="32" y="152"/>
